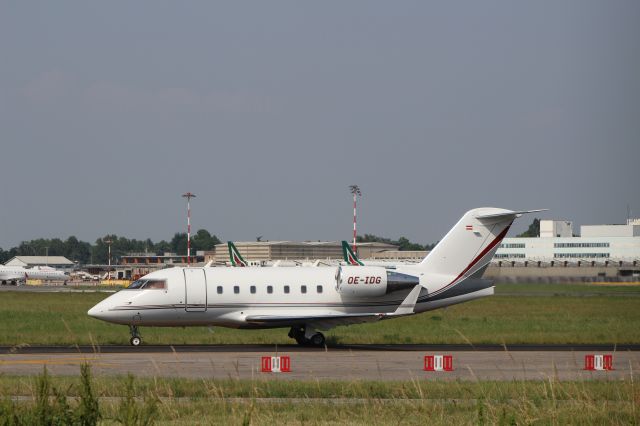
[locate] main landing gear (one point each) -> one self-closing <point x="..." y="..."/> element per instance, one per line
<point x="307" y="336"/>
<point x="136" y="339"/>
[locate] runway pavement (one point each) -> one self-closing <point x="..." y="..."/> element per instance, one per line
<point x="332" y="363"/>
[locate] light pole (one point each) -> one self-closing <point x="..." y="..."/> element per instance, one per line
<point x="188" y="196"/>
<point x="47" y="256"/>
<point x="355" y="190"/>
<point x="109" y="242"/>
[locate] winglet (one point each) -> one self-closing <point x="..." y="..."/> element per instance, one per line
<point x="408" y="305"/>
<point x="349" y="256"/>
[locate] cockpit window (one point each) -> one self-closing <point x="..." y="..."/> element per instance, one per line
<point x="148" y="285"/>
<point x="137" y="284"/>
<point x="155" y="284"/>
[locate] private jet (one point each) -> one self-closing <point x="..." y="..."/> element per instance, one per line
<point x="309" y="300"/>
<point x="18" y="274"/>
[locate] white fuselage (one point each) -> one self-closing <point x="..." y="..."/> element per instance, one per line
<point x="226" y="296"/>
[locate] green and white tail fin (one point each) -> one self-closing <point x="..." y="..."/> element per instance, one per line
<point x="349" y="256"/>
<point x="235" y="256"/>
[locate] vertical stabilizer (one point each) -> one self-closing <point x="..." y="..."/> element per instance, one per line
<point x="234" y="255"/>
<point x="349" y="256"/>
<point x="468" y="247"/>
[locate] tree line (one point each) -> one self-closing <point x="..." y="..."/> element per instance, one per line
<point x="403" y="243"/>
<point x="98" y="253"/>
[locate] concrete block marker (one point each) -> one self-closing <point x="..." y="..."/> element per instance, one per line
<point x="598" y="362"/>
<point x="438" y="363"/>
<point x="276" y="364"/>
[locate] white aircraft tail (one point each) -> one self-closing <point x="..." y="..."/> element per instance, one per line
<point x="469" y="246"/>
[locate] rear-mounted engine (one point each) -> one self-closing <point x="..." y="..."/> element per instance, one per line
<point x="371" y="281"/>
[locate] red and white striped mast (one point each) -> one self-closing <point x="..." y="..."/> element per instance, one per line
<point x="188" y="196"/>
<point x="355" y="190"/>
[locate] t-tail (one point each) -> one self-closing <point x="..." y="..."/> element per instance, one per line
<point x="235" y="256"/>
<point x="467" y="249"/>
<point x="349" y="256"/>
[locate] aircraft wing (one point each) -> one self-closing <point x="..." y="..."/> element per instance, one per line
<point x="330" y="319"/>
<point x="320" y="321"/>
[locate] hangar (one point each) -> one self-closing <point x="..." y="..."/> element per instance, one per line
<point x="57" y="262"/>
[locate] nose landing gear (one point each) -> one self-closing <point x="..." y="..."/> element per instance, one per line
<point x="136" y="339"/>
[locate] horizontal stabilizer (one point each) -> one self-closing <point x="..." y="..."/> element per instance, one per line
<point x="509" y="213"/>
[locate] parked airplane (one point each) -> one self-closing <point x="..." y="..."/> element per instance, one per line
<point x="308" y="299"/>
<point x="17" y="274"/>
<point x="352" y="259"/>
<point x="235" y="256"/>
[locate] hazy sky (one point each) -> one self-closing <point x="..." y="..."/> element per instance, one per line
<point x="269" y="110"/>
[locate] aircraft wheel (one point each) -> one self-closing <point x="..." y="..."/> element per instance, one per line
<point x="135" y="341"/>
<point x="317" y="339"/>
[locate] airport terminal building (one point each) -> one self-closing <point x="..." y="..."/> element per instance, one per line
<point x="557" y="244"/>
<point x="600" y="253"/>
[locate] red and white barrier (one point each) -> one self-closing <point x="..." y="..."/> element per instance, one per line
<point x="438" y="363"/>
<point x="598" y="362"/>
<point x="275" y="364"/>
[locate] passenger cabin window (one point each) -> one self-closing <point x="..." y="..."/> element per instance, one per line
<point x="319" y="289"/>
<point x="286" y="289"/>
<point x="270" y="289"/>
<point x="253" y="289"/>
<point x="219" y="289"/>
<point x="236" y="289"/>
<point x="148" y="285"/>
<point x="303" y="289"/>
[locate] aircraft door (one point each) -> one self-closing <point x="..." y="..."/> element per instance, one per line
<point x="195" y="289"/>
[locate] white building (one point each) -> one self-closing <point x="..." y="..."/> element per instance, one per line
<point x="555" y="228"/>
<point x="631" y="229"/>
<point x="598" y="243"/>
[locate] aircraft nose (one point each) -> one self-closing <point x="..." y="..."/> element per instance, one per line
<point x="100" y="311"/>
<point x="95" y="311"/>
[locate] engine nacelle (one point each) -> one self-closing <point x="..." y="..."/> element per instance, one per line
<point x="371" y="281"/>
<point x="365" y="281"/>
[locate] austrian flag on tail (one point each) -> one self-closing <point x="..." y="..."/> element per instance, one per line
<point x="469" y="227"/>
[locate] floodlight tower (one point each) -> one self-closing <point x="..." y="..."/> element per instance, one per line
<point x="108" y="242"/>
<point x="355" y="190"/>
<point x="188" y="196"/>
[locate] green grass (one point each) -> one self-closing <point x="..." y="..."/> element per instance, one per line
<point x="572" y="289"/>
<point x="189" y="401"/>
<point x="60" y="318"/>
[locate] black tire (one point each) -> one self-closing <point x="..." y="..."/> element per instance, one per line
<point x="317" y="340"/>
<point x="135" y="341"/>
